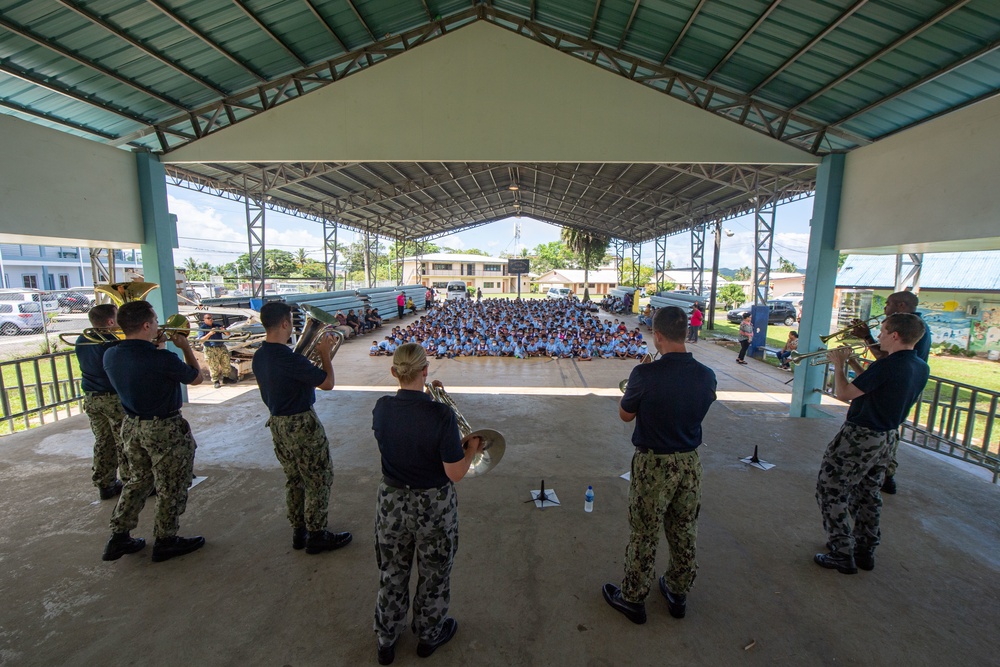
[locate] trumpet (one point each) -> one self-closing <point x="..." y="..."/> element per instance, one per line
<point x="494" y="443"/>
<point x="646" y="359"/>
<point x="846" y="331"/>
<point x="819" y="358"/>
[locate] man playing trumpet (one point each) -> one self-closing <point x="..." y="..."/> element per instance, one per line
<point x="287" y="383"/>
<point x="855" y="462"/>
<point x="216" y="352"/>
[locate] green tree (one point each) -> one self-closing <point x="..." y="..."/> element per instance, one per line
<point x="742" y="273"/>
<point x="551" y="255"/>
<point x="731" y="296"/>
<point x="785" y="266"/>
<point x="841" y="258"/>
<point x="475" y="251"/>
<point x="300" y="257"/>
<point x="590" y="250"/>
<point x="646" y="274"/>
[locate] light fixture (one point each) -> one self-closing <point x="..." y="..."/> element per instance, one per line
<point x="730" y="233"/>
<point x="513" y="187"/>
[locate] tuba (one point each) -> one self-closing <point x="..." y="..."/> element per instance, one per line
<point x="318" y="323"/>
<point x="646" y="359"/>
<point x="122" y="293"/>
<point x="494" y="443"/>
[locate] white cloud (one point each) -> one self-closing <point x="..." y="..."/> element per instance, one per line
<point x="202" y="233"/>
<point x="451" y="241"/>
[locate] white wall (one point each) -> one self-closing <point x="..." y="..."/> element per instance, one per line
<point x="929" y="189"/>
<point x="484" y="94"/>
<point x="58" y="189"/>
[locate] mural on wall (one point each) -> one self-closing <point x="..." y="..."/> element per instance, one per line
<point x="957" y="319"/>
<point x="986" y="331"/>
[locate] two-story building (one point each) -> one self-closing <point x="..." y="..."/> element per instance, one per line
<point x="477" y="271"/>
<point x="57" y="267"/>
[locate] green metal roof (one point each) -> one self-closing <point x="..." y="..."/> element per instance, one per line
<point x="824" y="75"/>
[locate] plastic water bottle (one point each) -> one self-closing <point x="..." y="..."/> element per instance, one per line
<point x="588" y="500"/>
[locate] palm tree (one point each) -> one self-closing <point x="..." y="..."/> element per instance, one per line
<point x="300" y="257"/>
<point x="593" y="247"/>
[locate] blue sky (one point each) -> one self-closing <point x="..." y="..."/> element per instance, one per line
<point x="212" y="229"/>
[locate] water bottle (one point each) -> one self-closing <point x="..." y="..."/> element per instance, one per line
<point x="588" y="504"/>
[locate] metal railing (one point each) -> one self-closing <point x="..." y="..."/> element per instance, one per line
<point x="36" y="389"/>
<point x="954" y="419"/>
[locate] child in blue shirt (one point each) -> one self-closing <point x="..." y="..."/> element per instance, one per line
<point x="373" y="351"/>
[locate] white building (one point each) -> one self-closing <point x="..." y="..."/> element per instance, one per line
<point x="476" y="271"/>
<point x="600" y="280"/>
<point x="57" y="267"/>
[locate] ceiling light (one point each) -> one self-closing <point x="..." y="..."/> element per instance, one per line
<point x="513" y="187"/>
<point x="730" y="233"/>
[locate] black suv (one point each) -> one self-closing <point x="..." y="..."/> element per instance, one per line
<point x="781" y="312"/>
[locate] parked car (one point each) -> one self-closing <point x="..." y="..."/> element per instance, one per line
<point x="558" y="292"/>
<point x="780" y="312"/>
<point x="19" y="318"/>
<point x="75" y="302"/>
<point x="50" y="302"/>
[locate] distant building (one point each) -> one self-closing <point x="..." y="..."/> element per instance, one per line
<point x="601" y="280"/>
<point x="959" y="293"/>
<point x="58" y="267"/>
<point x="477" y="271"/>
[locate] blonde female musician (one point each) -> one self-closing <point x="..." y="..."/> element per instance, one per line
<point x="417" y="507"/>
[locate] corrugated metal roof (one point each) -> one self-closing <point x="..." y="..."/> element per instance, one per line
<point x="960" y="271"/>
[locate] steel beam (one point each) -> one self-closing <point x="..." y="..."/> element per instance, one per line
<point x="743" y="38"/>
<point x="698" y="258"/>
<point x="267" y="31"/>
<point x="636" y="263"/>
<point x="255" y="209"/>
<point x="680" y="36"/>
<point x="330" y="253"/>
<point x="908" y="267"/>
<point x="763" y="247"/>
<point x="661" y="262"/>
<point x="619" y="245"/>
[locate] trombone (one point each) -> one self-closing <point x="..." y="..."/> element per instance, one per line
<point x="819" y="358"/>
<point x="846" y="331"/>
<point x="494" y="444"/>
<point x="97" y="335"/>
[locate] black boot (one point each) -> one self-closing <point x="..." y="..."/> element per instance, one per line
<point x="319" y="541"/>
<point x="633" y="611"/>
<point x="166" y="548"/>
<point x="425" y="649"/>
<point x="109" y="492"/>
<point x="837" y="560"/>
<point x="676" y="603"/>
<point x="121" y="544"/>
<point x="299" y="538"/>
<point x="889" y="485"/>
<point x="865" y="558"/>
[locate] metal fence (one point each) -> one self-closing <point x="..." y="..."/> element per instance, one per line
<point x="38" y="389"/>
<point x="954" y="419"/>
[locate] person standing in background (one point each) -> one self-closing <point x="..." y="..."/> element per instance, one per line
<point x="746" y="333"/>
<point x="696" y="320"/>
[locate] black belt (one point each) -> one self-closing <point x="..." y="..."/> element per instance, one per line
<point x="395" y="483"/>
<point x="175" y="413"/>
<point x="100" y="393"/>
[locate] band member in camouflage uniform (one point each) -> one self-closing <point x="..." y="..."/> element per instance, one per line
<point x="158" y="441"/>
<point x="417" y="507"/>
<point x="855" y="462"/>
<point x="287" y="383"/>
<point x="216" y="352"/>
<point x="102" y="406"/>
<point x="668" y="398"/>
<point x="898" y="302"/>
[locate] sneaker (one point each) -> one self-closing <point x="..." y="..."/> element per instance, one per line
<point x="319" y="541"/>
<point x="633" y="611"/>
<point x="166" y="548"/>
<point x="121" y="544"/>
<point x="425" y="649"/>
<point x="115" y="489"/>
<point x="676" y="603"/>
<point x="837" y="560"/>
<point x="889" y="485"/>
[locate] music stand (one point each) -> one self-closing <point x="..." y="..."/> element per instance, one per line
<point x="756" y="462"/>
<point x="542" y="497"/>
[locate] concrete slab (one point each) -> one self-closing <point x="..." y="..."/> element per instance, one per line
<point x="526" y="585"/>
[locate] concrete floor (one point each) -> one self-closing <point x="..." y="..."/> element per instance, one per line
<point x="526" y="584"/>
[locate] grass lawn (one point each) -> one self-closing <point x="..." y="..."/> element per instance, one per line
<point x="39" y="388"/>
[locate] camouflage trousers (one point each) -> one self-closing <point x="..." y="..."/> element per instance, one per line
<point x="304" y="453"/>
<point x="890" y="468"/>
<point x="160" y="453"/>
<point x="106" y="415"/>
<point x="425" y="523"/>
<point x="847" y="488"/>
<point x="217" y="360"/>
<point x="665" y="492"/>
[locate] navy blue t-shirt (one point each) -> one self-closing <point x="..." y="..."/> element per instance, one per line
<point x="91" y="359"/>
<point x="416" y="436"/>
<point x="923" y="346"/>
<point x="287" y="380"/>
<point x="216" y="339"/>
<point x="891" y="385"/>
<point x="670" y="397"/>
<point x="148" y="380"/>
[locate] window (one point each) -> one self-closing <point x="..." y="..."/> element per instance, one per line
<point x="488" y="285"/>
<point x="492" y="267"/>
<point x="441" y="267"/>
<point x="6" y="308"/>
<point x="63" y="281"/>
<point x="439" y="285"/>
<point x="591" y="285"/>
<point x="31" y="282"/>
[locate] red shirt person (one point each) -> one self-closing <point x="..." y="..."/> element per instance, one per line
<point x="696" y="321"/>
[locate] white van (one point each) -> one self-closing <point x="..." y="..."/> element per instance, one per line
<point x="19" y="317"/>
<point x="50" y="302"/>
<point x="558" y="292"/>
<point x="456" y="290"/>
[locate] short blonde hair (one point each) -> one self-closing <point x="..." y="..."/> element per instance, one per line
<point x="408" y="361"/>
